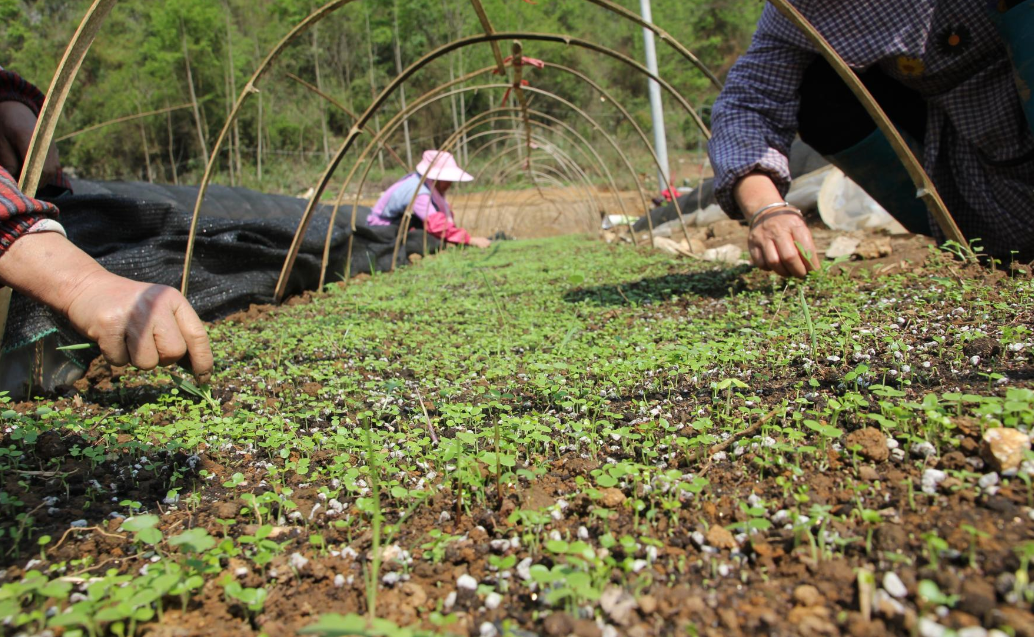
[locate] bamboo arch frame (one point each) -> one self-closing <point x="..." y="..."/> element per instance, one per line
<point x="423" y="101"/>
<point x="548" y="147"/>
<point x="544" y="144"/>
<point x="606" y="94"/>
<point x="407" y="215"/>
<point x="481" y="118"/>
<point x="556" y="154"/>
<point x="511" y="169"/>
<point x="378" y="102"/>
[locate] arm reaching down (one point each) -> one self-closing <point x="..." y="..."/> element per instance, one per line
<point x="132" y="322"/>
<point x="142" y="324"/>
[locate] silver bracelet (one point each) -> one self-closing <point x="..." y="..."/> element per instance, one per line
<point x="773" y="206"/>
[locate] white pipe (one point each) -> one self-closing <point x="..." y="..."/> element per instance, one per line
<point x="660" y="141"/>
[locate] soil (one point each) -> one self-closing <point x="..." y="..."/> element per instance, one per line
<point x="778" y="585"/>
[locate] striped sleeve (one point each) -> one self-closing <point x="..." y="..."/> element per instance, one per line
<point x="15" y="89"/>
<point x="19" y="213"/>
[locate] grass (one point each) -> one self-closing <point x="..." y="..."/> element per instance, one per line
<point x="495" y="438"/>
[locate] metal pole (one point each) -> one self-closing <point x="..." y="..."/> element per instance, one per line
<point x="660" y="141"/>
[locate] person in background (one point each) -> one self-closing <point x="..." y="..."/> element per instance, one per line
<point x="430" y="209"/>
<point x="136" y="323"/>
<point x="955" y="77"/>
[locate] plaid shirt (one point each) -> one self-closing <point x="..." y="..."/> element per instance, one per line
<point x="18" y="213"/>
<point x="978" y="148"/>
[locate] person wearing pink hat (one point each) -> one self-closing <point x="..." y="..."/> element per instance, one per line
<point x="430" y="210"/>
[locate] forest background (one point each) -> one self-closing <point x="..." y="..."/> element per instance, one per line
<point x="153" y="55"/>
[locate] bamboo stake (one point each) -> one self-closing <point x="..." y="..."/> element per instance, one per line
<point x="344" y="109"/>
<point x="193" y="95"/>
<point x="925" y="188"/>
<point x="120" y="120"/>
<point x="486" y="24"/>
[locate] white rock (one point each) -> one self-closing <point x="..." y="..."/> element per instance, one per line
<point x="988" y="480"/>
<point x="972" y="631"/>
<point x="931" y="479"/>
<point x="524" y="569"/>
<point x="488" y="629"/>
<point x="467" y="582"/>
<point x="297" y="561"/>
<point x="894" y="586"/>
<point x="583" y="533"/>
<point x="923" y="449"/>
<point x="392" y="578"/>
<point x="493" y="600"/>
<point x="930" y="628"/>
<point x="339" y="580"/>
<point x="79" y="524"/>
<point x="449" y="601"/>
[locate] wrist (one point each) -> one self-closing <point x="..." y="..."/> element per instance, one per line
<point x="773" y="209"/>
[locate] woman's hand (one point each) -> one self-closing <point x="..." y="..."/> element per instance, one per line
<point x="142" y="324"/>
<point x="773" y="242"/>
<point x="480" y="242"/>
<point x="774" y="236"/>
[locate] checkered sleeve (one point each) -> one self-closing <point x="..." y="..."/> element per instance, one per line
<point x="13" y="88"/>
<point x="18" y="213"/>
<point x="754" y="120"/>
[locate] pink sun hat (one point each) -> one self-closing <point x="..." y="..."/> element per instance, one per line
<point x="441" y="166"/>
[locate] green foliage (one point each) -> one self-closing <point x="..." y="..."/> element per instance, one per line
<point x="138" y="64"/>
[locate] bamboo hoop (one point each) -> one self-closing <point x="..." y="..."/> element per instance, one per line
<point x="57" y="94"/>
<point x="249" y="88"/>
<point x="378" y="102"/>
<point x="404" y="226"/>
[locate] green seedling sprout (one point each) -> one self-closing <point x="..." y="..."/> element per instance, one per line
<point x="77" y="346"/>
<point x="202" y="393"/>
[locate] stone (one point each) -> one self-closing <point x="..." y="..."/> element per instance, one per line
<point x="586" y="628"/>
<point x="1003" y="447"/>
<point x="669" y="246"/>
<point x="808" y="595"/>
<point x="871" y="442"/>
<point x="727" y="253"/>
<point x="647" y="604"/>
<point x="978" y="597"/>
<point x="619" y="605"/>
<point x="868" y="474"/>
<point x="726" y="228"/>
<point x="612" y="497"/>
<point x="894" y="586"/>
<point x="558" y="625"/>
<point x="720" y="538"/>
<point x="842" y="246"/>
<point x="873" y="247"/>
<point x="1021" y="621"/>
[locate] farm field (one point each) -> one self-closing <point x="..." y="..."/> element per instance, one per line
<point x="554" y="436"/>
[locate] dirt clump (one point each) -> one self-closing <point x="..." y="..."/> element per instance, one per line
<point x="871" y="442"/>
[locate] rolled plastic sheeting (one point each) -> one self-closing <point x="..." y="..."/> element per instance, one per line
<point x="844" y="206"/>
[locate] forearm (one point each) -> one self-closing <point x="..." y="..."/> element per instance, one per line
<point x="48" y="268"/>
<point x="755" y="191"/>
